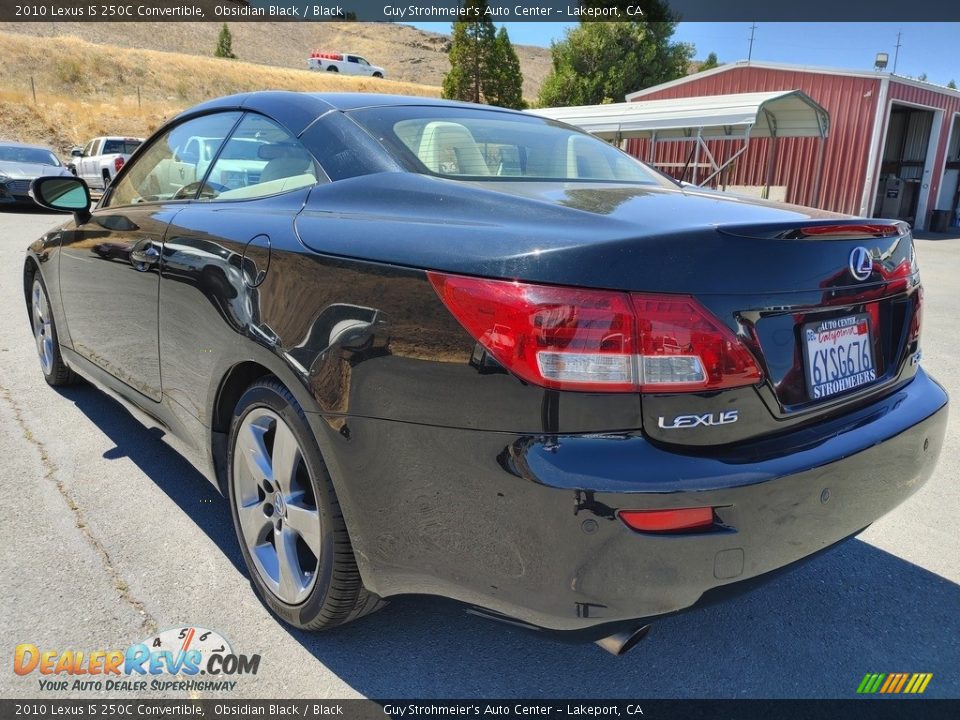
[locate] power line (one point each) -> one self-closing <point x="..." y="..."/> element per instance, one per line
<point x="753" y="30"/>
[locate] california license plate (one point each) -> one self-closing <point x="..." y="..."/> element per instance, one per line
<point x="838" y="355"/>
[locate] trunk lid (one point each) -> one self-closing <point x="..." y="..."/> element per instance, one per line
<point x="838" y="327"/>
<point x="769" y="272"/>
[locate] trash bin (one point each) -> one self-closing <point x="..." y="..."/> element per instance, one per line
<point x="940" y="221"/>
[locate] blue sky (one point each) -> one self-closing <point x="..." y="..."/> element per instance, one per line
<point x="930" y="48"/>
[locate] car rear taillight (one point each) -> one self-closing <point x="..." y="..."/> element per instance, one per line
<point x="598" y="340"/>
<point x="916" y="321"/>
<point x="685" y="348"/>
<point x="117" y="164"/>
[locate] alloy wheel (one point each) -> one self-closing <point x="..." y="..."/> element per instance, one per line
<point x="279" y="518"/>
<point x="42" y="327"/>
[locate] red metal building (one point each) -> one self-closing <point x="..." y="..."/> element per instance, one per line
<point x="893" y="148"/>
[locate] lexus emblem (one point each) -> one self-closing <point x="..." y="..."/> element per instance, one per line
<point x="861" y="263"/>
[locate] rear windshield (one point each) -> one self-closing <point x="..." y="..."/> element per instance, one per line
<point x="121" y="147"/>
<point x="488" y="145"/>
<point x="35" y="156"/>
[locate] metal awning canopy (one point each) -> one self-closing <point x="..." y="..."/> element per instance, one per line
<point x="737" y="117"/>
<point x="783" y="113"/>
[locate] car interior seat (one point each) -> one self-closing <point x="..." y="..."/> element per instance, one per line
<point x="285" y="161"/>
<point x="449" y="148"/>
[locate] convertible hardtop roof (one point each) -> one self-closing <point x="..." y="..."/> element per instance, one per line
<point x="335" y="101"/>
<point x="354" y="101"/>
<point x="298" y="110"/>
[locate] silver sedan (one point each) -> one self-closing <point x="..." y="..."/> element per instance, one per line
<point x="20" y="164"/>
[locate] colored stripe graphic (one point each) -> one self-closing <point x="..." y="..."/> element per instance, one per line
<point x="896" y="681"/>
<point x="903" y="681"/>
<point x="893" y="683"/>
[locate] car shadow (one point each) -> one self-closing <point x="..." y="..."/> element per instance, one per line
<point x="952" y="234"/>
<point x="171" y="472"/>
<point x="25" y="209"/>
<point x="812" y="632"/>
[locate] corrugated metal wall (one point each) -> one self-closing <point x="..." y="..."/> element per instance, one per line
<point x="851" y="102"/>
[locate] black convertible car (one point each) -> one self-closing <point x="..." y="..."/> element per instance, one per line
<point x="429" y="347"/>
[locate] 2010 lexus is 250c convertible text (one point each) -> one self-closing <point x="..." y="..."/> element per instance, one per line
<point x="431" y="347"/>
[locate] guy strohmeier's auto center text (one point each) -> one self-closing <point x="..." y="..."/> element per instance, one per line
<point x="555" y="12"/>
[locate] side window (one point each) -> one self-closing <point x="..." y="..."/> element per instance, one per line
<point x="353" y="59"/>
<point x="259" y="159"/>
<point x="88" y="150"/>
<point x="165" y="171"/>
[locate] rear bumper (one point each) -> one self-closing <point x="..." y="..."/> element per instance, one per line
<point x="526" y="526"/>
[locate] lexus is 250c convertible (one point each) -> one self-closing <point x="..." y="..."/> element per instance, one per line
<point x="430" y="347"/>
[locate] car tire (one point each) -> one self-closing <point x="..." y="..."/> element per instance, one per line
<point x="55" y="370"/>
<point x="287" y="516"/>
<point x="378" y="75"/>
<point x="333" y="68"/>
<point x="106" y="179"/>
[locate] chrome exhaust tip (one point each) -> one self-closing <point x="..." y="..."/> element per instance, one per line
<point x="623" y="642"/>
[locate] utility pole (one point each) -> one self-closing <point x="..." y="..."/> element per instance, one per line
<point x="753" y="30"/>
<point x="896" y="54"/>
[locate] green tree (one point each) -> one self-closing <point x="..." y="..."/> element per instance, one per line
<point x="472" y="54"/>
<point x="952" y="85"/>
<point x="600" y="62"/>
<point x="710" y="63"/>
<point x="224" y="44"/>
<point x="504" y="84"/>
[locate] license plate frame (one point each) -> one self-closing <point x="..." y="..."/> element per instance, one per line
<point x="840" y="353"/>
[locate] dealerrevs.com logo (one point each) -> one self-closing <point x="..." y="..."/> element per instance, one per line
<point x="172" y="660"/>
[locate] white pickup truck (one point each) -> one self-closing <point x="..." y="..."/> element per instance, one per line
<point x="99" y="161"/>
<point x="343" y="62"/>
<point x="238" y="165"/>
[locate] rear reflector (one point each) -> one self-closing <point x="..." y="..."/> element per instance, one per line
<point x="117" y="164"/>
<point x="598" y="340"/>
<point x="665" y="521"/>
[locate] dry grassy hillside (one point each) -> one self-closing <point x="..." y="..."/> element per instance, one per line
<point x="84" y="90"/>
<point x="408" y="54"/>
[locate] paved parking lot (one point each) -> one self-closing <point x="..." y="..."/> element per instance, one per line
<point x="110" y="536"/>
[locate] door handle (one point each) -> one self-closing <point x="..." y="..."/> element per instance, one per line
<point x="142" y="259"/>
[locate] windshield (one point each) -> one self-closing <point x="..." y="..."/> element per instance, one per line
<point x="36" y="156"/>
<point x="484" y="145"/>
